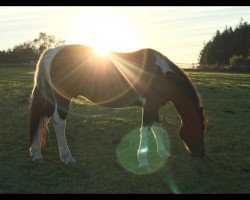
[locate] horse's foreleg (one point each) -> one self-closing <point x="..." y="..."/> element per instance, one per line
<point x="59" y="119"/>
<point x="158" y="132"/>
<point x="149" y="115"/>
<point x="142" y="153"/>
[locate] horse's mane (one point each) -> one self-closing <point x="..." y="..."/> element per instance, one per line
<point x="187" y="83"/>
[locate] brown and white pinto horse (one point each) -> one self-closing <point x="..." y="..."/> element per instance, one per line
<point x="144" y="78"/>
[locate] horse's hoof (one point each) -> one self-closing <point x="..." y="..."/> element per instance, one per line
<point x="38" y="160"/>
<point x="70" y="164"/>
<point x="143" y="164"/>
<point x="164" y="155"/>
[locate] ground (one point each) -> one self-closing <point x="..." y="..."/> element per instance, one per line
<point x="104" y="143"/>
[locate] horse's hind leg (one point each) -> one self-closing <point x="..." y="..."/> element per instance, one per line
<point x="35" y="149"/>
<point x="59" y="119"/>
<point x="40" y="112"/>
<point x="158" y="132"/>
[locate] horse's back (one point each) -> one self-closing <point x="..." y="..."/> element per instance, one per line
<point x="116" y="80"/>
<point x="77" y="70"/>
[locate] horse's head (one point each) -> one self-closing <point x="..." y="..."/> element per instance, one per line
<point x="192" y="133"/>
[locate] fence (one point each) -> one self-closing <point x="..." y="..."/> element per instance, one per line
<point x="188" y="65"/>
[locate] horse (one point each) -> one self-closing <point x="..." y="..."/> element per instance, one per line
<point x="144" y="78"/>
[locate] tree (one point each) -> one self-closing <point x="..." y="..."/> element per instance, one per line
<point x="223" y="45"/>
<point x="45" y="41"/>
<point x="29" y="51"/>
<point x="237" y="61"/>
<point x="24" y="53"/>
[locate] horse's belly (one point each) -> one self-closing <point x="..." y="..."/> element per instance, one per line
<point x="113" y="97"/>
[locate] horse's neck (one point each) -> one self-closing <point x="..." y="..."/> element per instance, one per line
<point x="185" y="107"/>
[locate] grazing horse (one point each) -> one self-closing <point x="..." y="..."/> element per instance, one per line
<point x="144" y="78"/>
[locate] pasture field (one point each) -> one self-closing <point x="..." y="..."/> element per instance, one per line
<point x="104" y="143"/>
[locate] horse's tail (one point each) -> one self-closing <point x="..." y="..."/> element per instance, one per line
<point x="42" y="103"/>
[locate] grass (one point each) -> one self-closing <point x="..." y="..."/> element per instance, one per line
<point x="104" y="143"/>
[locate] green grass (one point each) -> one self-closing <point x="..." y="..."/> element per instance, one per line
<point x="104" y="143"/>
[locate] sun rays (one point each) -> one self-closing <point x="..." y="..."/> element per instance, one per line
<point x="106" y="31"/>
<point x="111" y="67"/>
<point x="129" y="70"/>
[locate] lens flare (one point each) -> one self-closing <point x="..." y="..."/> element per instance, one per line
<point x="144" y="150"/>
<point x="171" y="183"/>
<point x="127" y="153"/>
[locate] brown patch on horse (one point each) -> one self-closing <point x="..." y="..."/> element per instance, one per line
<point x="187" y="84"/>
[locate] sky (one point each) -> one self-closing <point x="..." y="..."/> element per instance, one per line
<point x="179" y="32"/>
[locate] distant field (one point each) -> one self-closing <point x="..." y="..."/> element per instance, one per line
<point x="104" y="143"/>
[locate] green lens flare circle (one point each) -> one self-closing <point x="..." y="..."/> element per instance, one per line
<point x="127" y="152"/>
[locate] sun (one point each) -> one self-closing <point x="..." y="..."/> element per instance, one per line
<point x="104" y="30"/>
<point x="101" y="52"/>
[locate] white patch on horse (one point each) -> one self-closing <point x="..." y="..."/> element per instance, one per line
<point x="158" y="131"/>
<point x="143" y="100"/>
<point x="142" y="153"/>
<point x="49" y="56"/>
<point x="59" y="125"/>
<point x="161" y="62"/>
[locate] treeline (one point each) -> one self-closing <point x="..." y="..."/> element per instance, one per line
<point x="228" y="48"/>
<point x="29" y="51"/>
